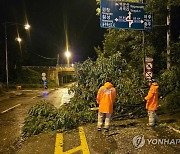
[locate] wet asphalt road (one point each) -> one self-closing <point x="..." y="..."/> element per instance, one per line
<point x="117" y="141"/>
<point x="14" y="107"/>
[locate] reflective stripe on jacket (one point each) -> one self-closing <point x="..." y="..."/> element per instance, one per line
<point x="106" y="97"/>
<point x="152" y="97"/>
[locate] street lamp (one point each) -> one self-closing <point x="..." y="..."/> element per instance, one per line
<point x="26" y="26"/>
<point x="18" y="39"/>
<point x="68" y="55"/>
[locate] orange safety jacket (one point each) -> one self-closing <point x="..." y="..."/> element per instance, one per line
<point x="106" y="97"/>
<point x="152" y="97"/>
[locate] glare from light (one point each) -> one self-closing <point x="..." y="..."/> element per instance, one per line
<point x="27" y="26"/>
<point x="67" y="54"/>
<point x="18" y="39"/>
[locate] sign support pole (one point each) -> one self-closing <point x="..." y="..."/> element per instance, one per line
<point x="144" y="53"/>
<point x="7" y="77"/>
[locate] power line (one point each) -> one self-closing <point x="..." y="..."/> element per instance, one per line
<point x="43" y="56"/>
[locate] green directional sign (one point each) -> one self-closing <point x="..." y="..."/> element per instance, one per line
<point x="125" y="15"/>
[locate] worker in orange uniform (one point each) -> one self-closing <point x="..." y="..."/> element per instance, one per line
<point x="152" y="102"/>
<point x="105" y="98"/>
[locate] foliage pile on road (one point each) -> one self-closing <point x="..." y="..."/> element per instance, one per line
<point x="41" y="117"/>
<point x="44" y="117"/>
<point x="90" y="75"/>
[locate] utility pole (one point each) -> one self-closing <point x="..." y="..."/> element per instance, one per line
<point x="144" y="53"/>
<point x="143" y="48"/>
<point x="7" y="77"/>
<point x="168" y="36"/>
<point x="26" y="26"/>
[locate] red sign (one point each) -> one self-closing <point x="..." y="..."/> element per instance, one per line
<point x="148" y="68"/>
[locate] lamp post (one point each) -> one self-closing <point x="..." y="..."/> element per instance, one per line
<point x="68" y="55"/>
<point x="26" y="26"/>
<point x="7" y="80"/>
<point x="18" y="39"/>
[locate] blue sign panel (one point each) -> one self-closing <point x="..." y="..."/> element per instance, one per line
<point x="124" y="15"/>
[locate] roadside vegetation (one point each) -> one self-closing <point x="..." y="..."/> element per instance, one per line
<point x="27" y="78"/>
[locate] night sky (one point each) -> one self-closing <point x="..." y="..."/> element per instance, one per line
<point x="49" y="19"/>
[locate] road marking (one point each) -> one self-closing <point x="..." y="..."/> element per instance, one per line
<point x="83" y="147"/>
<point x="10" y="108"/>
<point x="84" y="144"/>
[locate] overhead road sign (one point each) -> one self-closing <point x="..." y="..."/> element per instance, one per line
<point x="125" y="15"/>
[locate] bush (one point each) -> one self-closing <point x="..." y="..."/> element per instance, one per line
<point x="169" y="82"/>
<point x="29" y="78"/>
<point x="27" y="75"/>
<point x="171" y="103"/>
